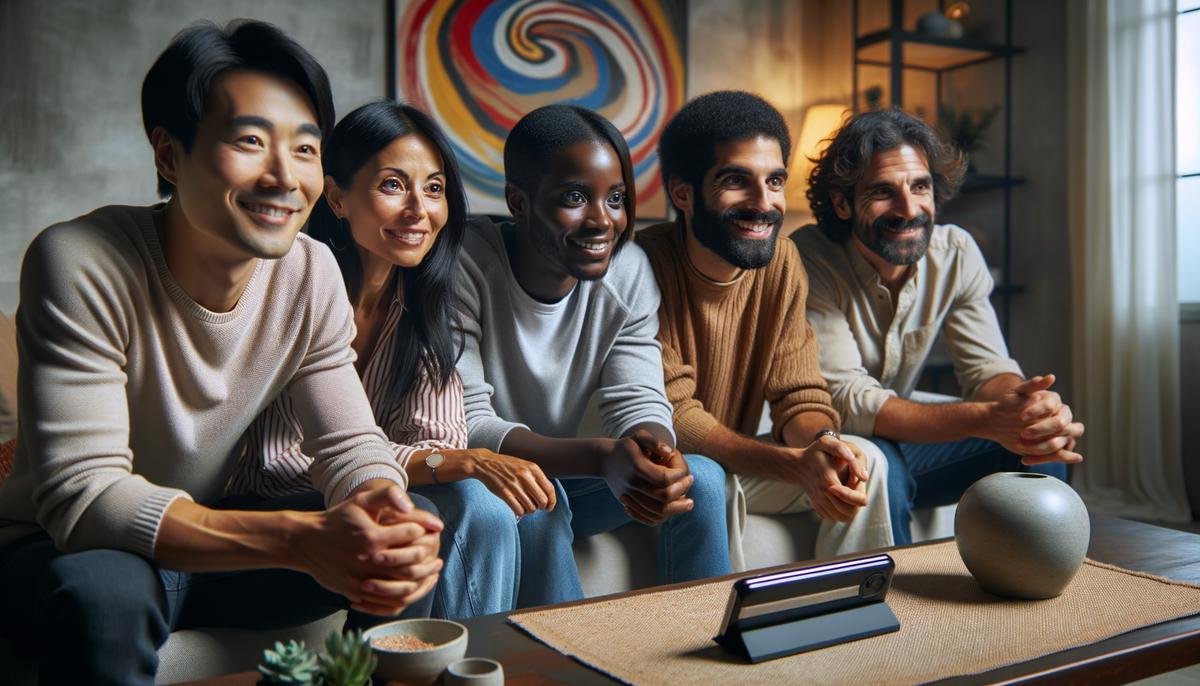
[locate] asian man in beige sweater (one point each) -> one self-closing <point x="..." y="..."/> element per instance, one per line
<point x="149" y="339"/>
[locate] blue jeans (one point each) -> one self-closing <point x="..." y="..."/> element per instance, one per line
<point x="493" y="563"/>
<point x="693" y="545"/>
<point x="932" y="474"/>
<point x="111" y="610"/>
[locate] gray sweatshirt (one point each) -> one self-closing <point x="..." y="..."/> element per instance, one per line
<point x="537" y="365"/>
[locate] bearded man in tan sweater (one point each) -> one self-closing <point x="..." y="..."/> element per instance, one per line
<point x="734" y="334"/>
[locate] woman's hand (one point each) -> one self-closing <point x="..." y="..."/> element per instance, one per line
<point x="519" y="483"/>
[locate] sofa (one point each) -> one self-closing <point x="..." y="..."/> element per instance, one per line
<point x="608" y="563"/>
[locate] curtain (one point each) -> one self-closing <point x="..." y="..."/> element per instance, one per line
<point x="1121" y="194"/>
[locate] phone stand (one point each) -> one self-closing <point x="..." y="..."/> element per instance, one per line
<point x="788" y="637"/>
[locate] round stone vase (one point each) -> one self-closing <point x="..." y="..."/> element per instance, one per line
<point x="1022" y="535"/>
<point x="939" y="25"/>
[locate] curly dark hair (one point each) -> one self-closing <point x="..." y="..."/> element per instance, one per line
<point x="687" y="148"/>
<point x="845" y="161"/>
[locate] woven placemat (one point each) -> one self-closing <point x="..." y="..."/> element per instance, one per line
<point x="948" y="627"/>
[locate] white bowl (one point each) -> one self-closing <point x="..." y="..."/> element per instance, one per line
<point x="449" y="641"/>
<point x="474" y="671"/>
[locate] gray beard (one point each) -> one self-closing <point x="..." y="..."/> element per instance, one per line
<point x="898" y="252"/>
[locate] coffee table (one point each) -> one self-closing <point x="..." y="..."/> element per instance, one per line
<point x="1134" y="655"/>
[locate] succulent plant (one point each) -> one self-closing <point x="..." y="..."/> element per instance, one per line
<point x="347" y="661"/>
<point x="289" y="664"/>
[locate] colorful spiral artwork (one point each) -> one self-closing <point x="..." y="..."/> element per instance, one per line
<point x="477" y="66"/>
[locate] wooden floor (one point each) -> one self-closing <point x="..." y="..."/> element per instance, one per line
<point x="1189" y="676"/>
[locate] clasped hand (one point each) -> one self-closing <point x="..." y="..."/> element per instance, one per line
<point x="649" y="477"/>
<point x="375" y="548"/>
<point x="834" y="475"/>
<point x="1033" y="422"/>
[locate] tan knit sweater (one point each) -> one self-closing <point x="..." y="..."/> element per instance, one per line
<point x="727" y="347"/>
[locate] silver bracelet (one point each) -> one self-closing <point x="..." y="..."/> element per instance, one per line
<point x="826" y="432"/>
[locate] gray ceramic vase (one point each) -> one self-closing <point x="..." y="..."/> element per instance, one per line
<point x="1022" y="535"/>
<point x="939" y="25"/>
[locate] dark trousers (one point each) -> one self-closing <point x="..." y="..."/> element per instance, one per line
<point x="932" y="474"/>
<point x="100" y="616"/>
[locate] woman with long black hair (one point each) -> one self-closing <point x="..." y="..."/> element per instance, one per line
<point x="394" y="213"/>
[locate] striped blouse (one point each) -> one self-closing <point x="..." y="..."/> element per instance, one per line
<point x="273" y="463"/>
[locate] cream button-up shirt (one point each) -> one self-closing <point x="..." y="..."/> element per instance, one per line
<point x="873" y="348"/>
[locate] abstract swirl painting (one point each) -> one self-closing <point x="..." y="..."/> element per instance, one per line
<point x="477" y="66"/>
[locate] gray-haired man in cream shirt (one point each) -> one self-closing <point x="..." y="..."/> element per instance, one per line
<point x="884" y="281"/>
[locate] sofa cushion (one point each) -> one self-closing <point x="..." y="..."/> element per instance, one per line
<point x="624" y="559"/>
<point x="192" y="654"/>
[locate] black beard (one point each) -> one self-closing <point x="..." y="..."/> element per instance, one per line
<point x="713" y="233"/>
<point x="896" y="251"/>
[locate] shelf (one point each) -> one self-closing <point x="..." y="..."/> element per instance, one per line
<point x="974" y="183"/>
<point x="927" y="52"/>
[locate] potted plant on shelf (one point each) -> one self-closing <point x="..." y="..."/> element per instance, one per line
<point x="966" y="129"/>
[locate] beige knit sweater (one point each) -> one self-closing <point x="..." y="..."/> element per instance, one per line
<point x="727" y="347"/>
<point x="132" y="394"/>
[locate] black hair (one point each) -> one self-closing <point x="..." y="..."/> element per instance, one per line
<point x="845" y="161"/>
<point x="176" y="90"/>
<point x="546" y="131"/>
<point x="688" y="146"/>
<point x="427" y="342"/>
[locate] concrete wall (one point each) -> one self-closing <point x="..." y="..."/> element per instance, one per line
<point x="765" y="56"/>
<point x="71" y="74"/>
<point x="71" y="138"/>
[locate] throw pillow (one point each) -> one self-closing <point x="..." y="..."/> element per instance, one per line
<point x="8" y="378"/>
<point x="7" y="450"/>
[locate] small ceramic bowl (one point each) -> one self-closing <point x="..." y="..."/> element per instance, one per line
<point x="449" y="641"/>
<point x="474" y="671"/>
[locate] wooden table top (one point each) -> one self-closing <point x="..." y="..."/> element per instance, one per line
<point x="1128" y="657"/>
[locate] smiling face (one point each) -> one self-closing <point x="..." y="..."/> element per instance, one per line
<point x="254" y="170"/>
<point x="396" y="204"/>
<point x="738" y="208"/>
<point x="893" y="207"/>
<point x="576" y="213"/>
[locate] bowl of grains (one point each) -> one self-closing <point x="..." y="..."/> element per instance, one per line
<point x="416" y="651"/>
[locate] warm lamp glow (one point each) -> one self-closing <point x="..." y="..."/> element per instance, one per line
<point x="820" y="123"/>
<point x="957" y="10"/>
